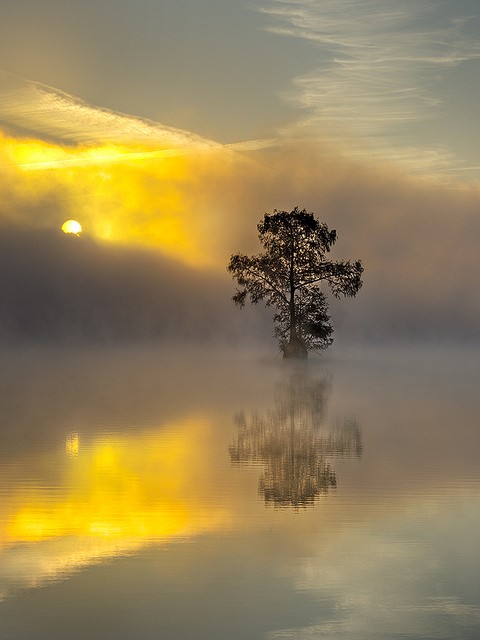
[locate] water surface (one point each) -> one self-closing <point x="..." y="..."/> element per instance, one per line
<point x="146" y="494"/>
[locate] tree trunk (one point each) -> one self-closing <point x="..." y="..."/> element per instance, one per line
<point x="295" y="349"/>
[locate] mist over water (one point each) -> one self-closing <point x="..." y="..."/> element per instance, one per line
<point x="61" y="289"/>
<point x="229" y="493"/>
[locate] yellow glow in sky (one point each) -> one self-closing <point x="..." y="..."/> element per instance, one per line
<point x="123" y="195"/>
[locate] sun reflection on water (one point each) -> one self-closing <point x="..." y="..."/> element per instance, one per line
<point x="113" y="494"/>
<point x="72" y="444"/>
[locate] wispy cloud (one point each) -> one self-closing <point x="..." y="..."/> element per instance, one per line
<point x="35" y="110"/>
<point x="33" y="107"/>
<point x="379" y="63"/>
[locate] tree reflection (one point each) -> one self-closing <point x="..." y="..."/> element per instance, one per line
<point x="293" y="442"/>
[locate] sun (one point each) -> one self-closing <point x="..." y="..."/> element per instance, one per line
<point x="72" y="226"/>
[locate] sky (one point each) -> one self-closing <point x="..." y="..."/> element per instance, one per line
<point x="174" y="126"/>
<point x="397" y="78"/>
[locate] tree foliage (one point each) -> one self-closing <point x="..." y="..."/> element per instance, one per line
<point x="288" y="275"/>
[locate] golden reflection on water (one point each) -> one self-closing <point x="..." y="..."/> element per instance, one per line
<point x="72" y="444"/>
<point x="110" y="494"/>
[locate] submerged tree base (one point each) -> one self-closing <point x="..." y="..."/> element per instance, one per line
<point x="295" y="349"/>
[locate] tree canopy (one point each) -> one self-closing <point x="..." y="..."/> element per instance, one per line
<point x="288" y="275"/>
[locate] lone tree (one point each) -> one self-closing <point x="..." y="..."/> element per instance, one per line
<point x="288" y="275"/>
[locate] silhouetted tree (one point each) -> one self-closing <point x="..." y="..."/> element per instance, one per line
<point x="288" y="276"/>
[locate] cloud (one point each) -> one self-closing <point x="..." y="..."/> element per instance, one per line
<point x="379" y="65"/>
<point x="34" y="107"/>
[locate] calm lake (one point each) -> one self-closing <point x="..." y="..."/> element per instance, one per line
<point x="149" y="495"/>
